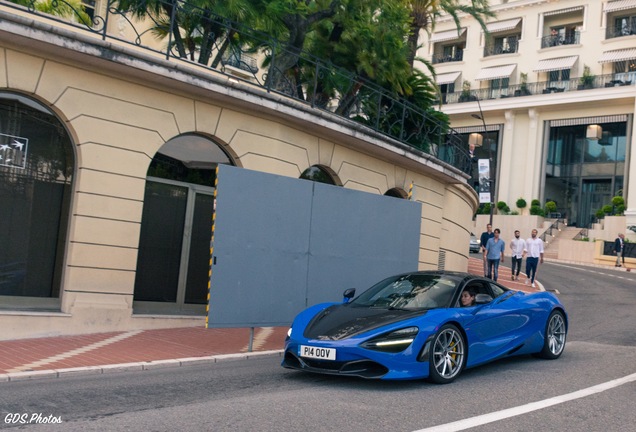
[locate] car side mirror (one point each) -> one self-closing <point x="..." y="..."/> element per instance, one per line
<point x="482" y="299"/>
<point x="348" y="295"/>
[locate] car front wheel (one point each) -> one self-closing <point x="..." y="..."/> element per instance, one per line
<point x="555" y="335"/>
<point x="447" y="355"/>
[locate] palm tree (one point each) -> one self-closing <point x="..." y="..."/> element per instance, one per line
<point x="195" y="26"/>
<point x="70" y="9"/>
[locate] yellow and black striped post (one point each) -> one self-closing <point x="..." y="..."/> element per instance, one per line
<point x="207" y="306"/>
<point x="410" y="196"/>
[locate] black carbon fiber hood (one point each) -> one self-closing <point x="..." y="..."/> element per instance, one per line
<point x="342" y="321"/>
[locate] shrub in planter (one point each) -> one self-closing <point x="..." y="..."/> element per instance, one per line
<point x="550" y="207"/>
<point x="503" y="207"/>
<point x="618" y="201"/>
<point x="536" y="210"/>
<point x="535" y="202"/>
<point x="521" y="203"/>
<point x="600" y="214"/>
<point x="484" y="209"/>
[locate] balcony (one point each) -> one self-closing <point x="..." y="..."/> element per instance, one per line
<point x="542" y="88"/>
<point x="237" y="59"/>
<point x="509" y="46"/>
<point x="620" y="30"/>
<point x="443" y="58"/>
<point x="573" y="38"/>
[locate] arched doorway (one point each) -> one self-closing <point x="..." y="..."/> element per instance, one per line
<point x="174" y="246"/>
<point x="36" y="172"/>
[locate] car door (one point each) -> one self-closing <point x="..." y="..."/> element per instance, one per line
<point x="497" y="327"/>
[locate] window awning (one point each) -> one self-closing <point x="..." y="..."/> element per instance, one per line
<point x="496" y="72"/>
<point x="563" y="11"/>
<point x="618" y="55"/>
<point x="553" y="64"/>
<point x="447" y="35"/>
<point x="500" y="26"/>
<point x="447" y="78"/>
<point x="619" y="5"/>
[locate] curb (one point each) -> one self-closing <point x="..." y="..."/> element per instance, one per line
<point x="138" y="366"/>
<point x="587" y="264"/>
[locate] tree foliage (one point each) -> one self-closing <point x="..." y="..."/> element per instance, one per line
<point x="356" y="54"/>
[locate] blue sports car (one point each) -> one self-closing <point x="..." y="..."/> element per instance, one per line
<point x="430" y="324"/>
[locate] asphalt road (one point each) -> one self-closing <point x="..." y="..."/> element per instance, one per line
<point x="258" y="395"/>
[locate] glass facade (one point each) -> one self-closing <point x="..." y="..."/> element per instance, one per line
<point x="36" y="173"/>
<point x="582" y="175"/>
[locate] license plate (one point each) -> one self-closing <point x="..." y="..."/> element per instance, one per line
<point x="317" y="352"/>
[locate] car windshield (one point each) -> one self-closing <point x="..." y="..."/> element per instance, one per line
<point x="412" y="291"/>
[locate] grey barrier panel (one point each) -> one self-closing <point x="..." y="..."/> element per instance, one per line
<point x="281" y="244"/>
<point x="358" y="239"/>
<point x="261" y="242"/>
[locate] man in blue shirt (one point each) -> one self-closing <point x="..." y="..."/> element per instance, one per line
<point x="483" y="240"/>
<point x="494" y="254"/>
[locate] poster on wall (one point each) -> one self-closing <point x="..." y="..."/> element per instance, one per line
<point x="484" y="180"/>
<point x="13" y="151"/>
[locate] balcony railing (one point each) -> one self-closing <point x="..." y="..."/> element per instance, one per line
<point x="240" y="60"/>
<point x="512" y="46"/>
<point x="441" y="58"/>
<point x="542" y="88"/>
<point x="559" y="40"/>
<point x="612" y="32"/>
<point x="202" y="39"/>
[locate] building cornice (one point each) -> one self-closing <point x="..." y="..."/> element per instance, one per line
<point x="90" y="52"/>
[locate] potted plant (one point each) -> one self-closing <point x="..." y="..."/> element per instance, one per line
<point x="521" y="204"/>
<point x="586" y="81"/>
<point x="550" y="208"/>
<point x="465" y="95"/>
<point x="523" y="85"/>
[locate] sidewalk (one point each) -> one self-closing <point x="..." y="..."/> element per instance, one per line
<point x="146" y="349"/>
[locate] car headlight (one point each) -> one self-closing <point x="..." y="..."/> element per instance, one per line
<point x="289" y="333"/>
<point x="392" y="342"/>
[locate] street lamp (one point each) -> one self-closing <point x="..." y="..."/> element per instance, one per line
<point x="487" y="141"/>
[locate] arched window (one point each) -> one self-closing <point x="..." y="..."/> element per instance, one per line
<point x="319" y="174"/>
<point x="396" y="193"/>
<point x="36" y="172"/>
<point x="174" y="246"/>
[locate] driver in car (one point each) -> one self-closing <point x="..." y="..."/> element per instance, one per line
<point x="468" y="297"/>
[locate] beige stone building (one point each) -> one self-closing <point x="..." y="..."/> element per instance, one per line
<point x="105" y="143"/>
<point x="552" y="89"/>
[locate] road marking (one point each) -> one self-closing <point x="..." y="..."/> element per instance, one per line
<point x="260" y="339"/>
<point x="523" y="409"/>
<point x="76" y="351"/>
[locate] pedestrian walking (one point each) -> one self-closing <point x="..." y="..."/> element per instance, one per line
<point x="517" y="246"/>
<point x="619" y="247"/>
<point x="495" y="249"/>
<point x="534" y="256"/>
<point x="483" y="240"/>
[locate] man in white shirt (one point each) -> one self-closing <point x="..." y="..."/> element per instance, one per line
<point x="517" y="245"/>
<point x="534" y="256"/>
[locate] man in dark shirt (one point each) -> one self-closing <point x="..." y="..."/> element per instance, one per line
<point x="618" y="250"/>
<point x="483" y="241"/>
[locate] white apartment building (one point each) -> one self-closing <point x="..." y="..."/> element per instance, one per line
<point x="555" y="84"/>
